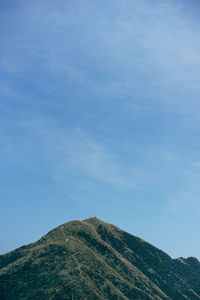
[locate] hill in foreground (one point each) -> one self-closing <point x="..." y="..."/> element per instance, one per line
<point x="91" y="259"/>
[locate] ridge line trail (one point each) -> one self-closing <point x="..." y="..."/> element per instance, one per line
<point x="73" y="255"/>
<point x="78" y="264"/>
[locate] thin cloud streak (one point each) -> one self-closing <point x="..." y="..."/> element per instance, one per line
<point x="77" y="152"/>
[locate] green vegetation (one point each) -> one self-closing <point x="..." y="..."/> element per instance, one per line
<point x="93" y="260"/>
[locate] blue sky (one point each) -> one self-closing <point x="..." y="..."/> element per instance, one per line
<point x="99" y="116"/>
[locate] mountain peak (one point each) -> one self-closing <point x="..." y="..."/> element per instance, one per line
<point x="92" y="219"/>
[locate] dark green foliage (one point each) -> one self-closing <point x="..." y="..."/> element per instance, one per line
<point x="95" y="260"/>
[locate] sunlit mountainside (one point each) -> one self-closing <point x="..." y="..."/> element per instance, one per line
<point x="91" y="259"/>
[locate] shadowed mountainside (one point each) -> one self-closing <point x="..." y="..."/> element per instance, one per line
<point x="91" y="259"/>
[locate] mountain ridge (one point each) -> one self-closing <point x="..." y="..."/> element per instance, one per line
<point x="92" y="259"/>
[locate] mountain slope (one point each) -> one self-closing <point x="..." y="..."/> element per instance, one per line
<point x="91" y="259"/>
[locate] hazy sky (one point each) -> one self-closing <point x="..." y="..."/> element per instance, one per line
<point x="100" y="116"/>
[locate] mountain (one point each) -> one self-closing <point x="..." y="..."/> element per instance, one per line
<point x="94" y="260"/>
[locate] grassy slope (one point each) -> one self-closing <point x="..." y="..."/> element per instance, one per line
<point x="98" y="261"/>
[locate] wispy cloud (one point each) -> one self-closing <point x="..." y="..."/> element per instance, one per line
<point x="75" y="151"/>
<point x="163" y="46"/>
<point x="141" y="57"/>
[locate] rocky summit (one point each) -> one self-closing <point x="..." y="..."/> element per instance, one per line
<point x="94" y="260"/>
